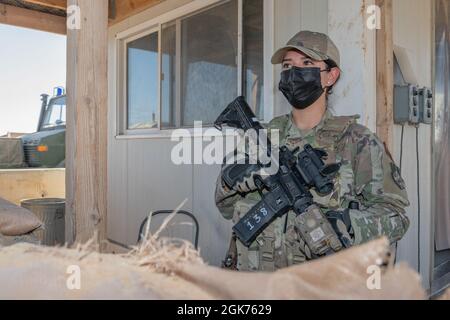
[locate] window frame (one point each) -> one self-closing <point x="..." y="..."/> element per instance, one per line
<point x="124" y="118"/>
<point x="155" y="25"/>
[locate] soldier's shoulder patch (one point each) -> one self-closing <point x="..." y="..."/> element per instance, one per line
<point x="359" y="130"/>
<point x="397" y="177"/>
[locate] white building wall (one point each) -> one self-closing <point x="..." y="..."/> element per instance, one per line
<point x="355" y="92"/>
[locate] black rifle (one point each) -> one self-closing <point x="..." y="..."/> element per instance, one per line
<point x="288" y="189"/>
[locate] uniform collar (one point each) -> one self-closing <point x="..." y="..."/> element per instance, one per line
<point x="293" y="132"/>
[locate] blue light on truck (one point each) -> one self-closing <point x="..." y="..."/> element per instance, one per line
<point x="59" y="91"/>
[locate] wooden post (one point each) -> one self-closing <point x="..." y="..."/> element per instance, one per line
<point x="86" y="159"/>
<point x="385" y="75"/>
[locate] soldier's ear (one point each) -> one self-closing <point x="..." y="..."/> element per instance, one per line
<point x="333" y="76"/>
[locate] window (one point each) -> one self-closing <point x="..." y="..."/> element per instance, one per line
<point x="55" y="115"/>
<point x="201" y="68"/>
<point x="142" y="86"/>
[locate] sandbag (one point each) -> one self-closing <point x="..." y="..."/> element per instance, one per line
<point x="11" y="153"/>
<point x="160" y="269"/>
<point x="32" y="238"/>
<point x="16" y="221"/>
<point x="36" y="272"/>
<point x="349" y="275"/>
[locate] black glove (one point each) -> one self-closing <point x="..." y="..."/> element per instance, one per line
<point x="246" y="182"/>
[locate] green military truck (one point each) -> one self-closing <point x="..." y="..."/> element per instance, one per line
<point x="46" y="147"/>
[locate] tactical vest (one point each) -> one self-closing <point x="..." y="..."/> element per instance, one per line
<point x="274" y="249"/>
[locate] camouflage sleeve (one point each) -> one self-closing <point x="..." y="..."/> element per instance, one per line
<point x="380" y="190"/>
<point x="225" y="199"/>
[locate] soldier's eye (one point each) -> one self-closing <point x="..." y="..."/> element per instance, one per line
<point x="286" y="66"/>
<point x="308" y="63"/>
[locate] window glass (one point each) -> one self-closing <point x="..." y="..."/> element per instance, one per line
<point x="55" y="115"/>
<point x="209" y="63"/>
<point x="207" y="53"/>
<point x="253" y="55"/>
<point x="142" y="88"/>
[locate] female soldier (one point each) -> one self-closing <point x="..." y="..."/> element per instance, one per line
<point x="369" y="197"/>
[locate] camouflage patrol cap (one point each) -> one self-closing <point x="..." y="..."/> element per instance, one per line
<point x="315" y="45"/>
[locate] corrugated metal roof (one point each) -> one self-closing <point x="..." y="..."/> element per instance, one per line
<point x="35" y="7"/>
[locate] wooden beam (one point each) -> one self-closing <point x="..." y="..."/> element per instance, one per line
<point x="86" y="173"/>
<point x="20" y="17"/>
<point x="385" y="75"/>
<point x="124" y="9"/>
<point x="118" y="11"/>
<point x="57" y="4"/>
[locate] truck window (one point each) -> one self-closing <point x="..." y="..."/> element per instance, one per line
<point x="55" y="115"/>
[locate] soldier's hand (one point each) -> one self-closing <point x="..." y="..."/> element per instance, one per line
<point x="244" y="165"/>
<point x="246" y="184"/>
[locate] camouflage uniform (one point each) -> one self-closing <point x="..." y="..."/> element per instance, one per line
<point x="368" y="175"/>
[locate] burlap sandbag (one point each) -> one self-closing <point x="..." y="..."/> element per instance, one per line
<point x="346" y="275"/>
<point x="35" y="272"/>
<point x="16" y="221"/>
<point x="32" y="238"/>
<point x="161" y="270"/>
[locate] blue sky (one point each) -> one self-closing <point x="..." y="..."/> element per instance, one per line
<point x="31" y="63"/>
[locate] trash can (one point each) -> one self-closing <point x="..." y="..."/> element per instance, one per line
<point x="52" y="213"/>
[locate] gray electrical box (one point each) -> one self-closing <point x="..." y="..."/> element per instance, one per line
<point x="426" y="105"/>
<point x="406" y="104"/>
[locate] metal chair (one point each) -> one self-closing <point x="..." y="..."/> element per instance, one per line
<point x="168" y="212"/>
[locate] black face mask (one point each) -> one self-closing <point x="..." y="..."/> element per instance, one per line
<point x="301" y="86"/>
